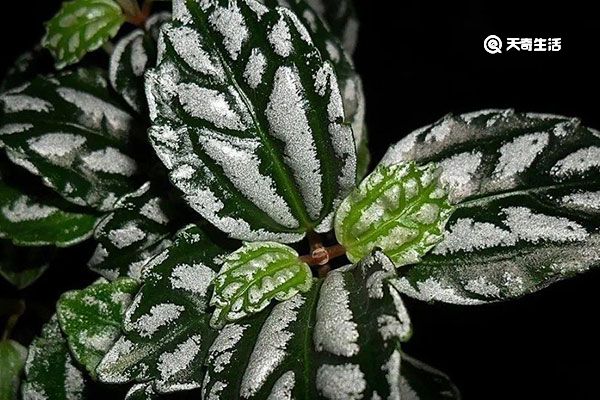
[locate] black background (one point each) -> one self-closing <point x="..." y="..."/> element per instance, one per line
<point x="419" y="61"/>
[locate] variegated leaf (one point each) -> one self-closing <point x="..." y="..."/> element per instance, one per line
<point x="80" y="27"/>
<point x="249" y="120"/>
<point x="22" y="266"/>
<point x="401" y="209"/>
<point x="167" y="321"/>
<point x="253" y="276"/>
<point x="68" y="130"/>
<point x="340" y="16"/>
<point x="137" y="230"/>
<point x="348" y="79"/>
<point x="26" y="67"/>
<point x="130" y="59"/>
<point x="50" y="370"/>
<point x="28" y="221"/>
<point x="12" y="361"/>
<point x="91" y="318"/>
<point x="527" y="190"/>
<point x="341" y="340"/>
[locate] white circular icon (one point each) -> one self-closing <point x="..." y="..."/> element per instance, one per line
<point x="493" y="44"/>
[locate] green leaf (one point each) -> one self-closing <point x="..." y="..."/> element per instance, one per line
<point x="50" y="371"/>
<point x="527" y="192"/>
<point x="331" y="47"/>
<point x="420" y="381"/>
<point x="340" y="16"/>
<point x="253" y="276"/>
<point x="340" y="340"/>
<point x="91" y="319"/>
<point x="26" y="67"/>
<point x="141" y="391"/>
<point x="248" y="118"/>
<point x="81" y="26"/>
<point x="130" y="59"/>
<point x="68" y="130"/>
<point x="168" y="316"/>
<point x="349" y="325"/>
<point x="12" y="361"/>
<point x="22" y="266"/>
<point x="27" y="221"/>
<point x="131" y="235"/>
<point x="400" y="209"/>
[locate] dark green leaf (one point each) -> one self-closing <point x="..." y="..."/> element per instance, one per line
<point x="401" y="209"/>
<point x="26" y="67"/>
<point x="420" y="381"/>
<point x="249" y="120"/>
<point x="527" y="191"/>
<point x="340" y="16"/>
<point x="91" y="318"/>
<point x="133" y="233"/>
<point x="253" y="276"/>
<point x="168" y="317"/>
<point x="27" y="221"/>
<point x="12" y="361"/>
<point x="50" y="371"/>
<point x="80" y="27"/>
<point x="68" y="130"/>
<point x="130" y="59"/>
<point x="22" y="266"/>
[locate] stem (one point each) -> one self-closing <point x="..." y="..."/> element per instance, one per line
<point x="108" y="47"/>
<point x="12" y="320"/>
<point x="129" y="7"/>
<point x="322" y="255"/>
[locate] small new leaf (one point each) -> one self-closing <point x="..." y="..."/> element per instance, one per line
<point x="12" y="361"/>
<point x="91" y="319"/>
<point x="401" y="209"/>
<point x="253" y="276"/>
<point x="22" y="266"/>
<point x="81" y="26"/>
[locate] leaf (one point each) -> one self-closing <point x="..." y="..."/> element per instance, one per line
<point x="253" y="276"/>
<point x="420" y="381"/>
<point x="168" y="316"/>
<point x="527" y="192"/>
<point x="26" y="67"/>
<point x="29" y="222"/>
<point x="130" y="59"/>
<point x="341" y="18"/>
<point x="12" y="361"/>
<point x="248" y="119"/>
<point x="137" y="230"/>
<point x="68" y="130"/>
<point x="91" y="319"/>
<point x="81" y="26"/>
<point x="22" y="266"/>
<point x="341" y="340"/>
<point x="400" y="209"/>
<point x="348" y="325"/>
<point x="50" y="371"/>
<point x="331" y="47"/>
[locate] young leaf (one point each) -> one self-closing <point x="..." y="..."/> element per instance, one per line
<point x="527" y="192"/>
<point x="348" y="325"/>
<point x="253" y="276"/>
<point x="130" y="59"/>
<point x="21" y="266"/>
<point x="167" y="319"/>
<point x="26" y="221"/>
<point x="340" y="16"/>
<point x="50" y="371"/>
<point x="341" y="340"/>
<point x="131" y="235"/>
<point x="80" y="27"/>
<point x="400" y="209"/>
<point x="91" y="319"/>
<point x="68" y="130"/>
<point x="26" y="67"/>
<point x="12" y="361"/>
<point x="248" y="118"/>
